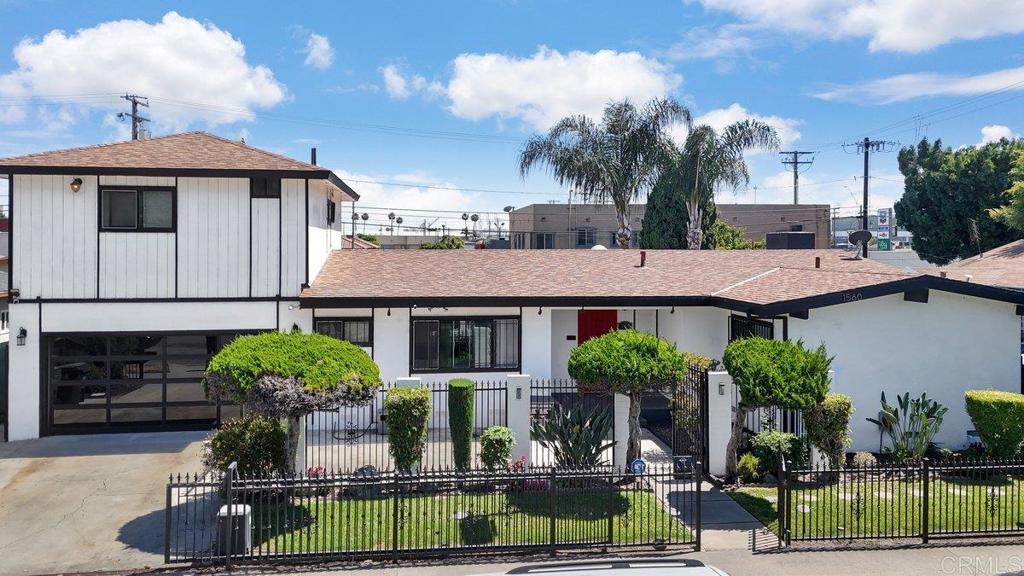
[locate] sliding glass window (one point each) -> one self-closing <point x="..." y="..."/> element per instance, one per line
<point x="464" y="344"/>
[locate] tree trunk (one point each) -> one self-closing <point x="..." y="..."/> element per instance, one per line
<point x="694" y="232"/>
<point x="633" y="446"/>
<point x="292" y="448"/>
<point x="624" y="232"/>
<point x="734" y="440"/>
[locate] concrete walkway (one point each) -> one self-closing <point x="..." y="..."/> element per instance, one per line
<point x="88" y="503"/>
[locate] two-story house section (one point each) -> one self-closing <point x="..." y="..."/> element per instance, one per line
<point x="132" y="263"/>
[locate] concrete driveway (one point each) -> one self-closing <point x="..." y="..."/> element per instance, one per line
<point x="88" y="503"/>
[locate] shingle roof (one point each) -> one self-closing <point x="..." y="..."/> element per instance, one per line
<point x="1002" y="266"/>
<point x="756" y="277"/>
<point x="184" y="153"/>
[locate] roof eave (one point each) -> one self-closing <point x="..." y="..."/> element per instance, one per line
<point x="341" y="185"/>
<point x="165" y="171"/>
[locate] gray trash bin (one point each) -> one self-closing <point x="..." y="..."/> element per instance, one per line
<point x="234" y="522"/>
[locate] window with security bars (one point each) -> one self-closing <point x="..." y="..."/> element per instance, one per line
<point x="746" y="327"/>
<point x="358" y="331"/>
<point x="465" y="344"/>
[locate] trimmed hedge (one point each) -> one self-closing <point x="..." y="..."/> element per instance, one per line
<point x="778" y="372"/>
<point x="828" y="426"/>
<point x="257" y="443"/>
<point x="630" y="362"/>
<point x="998" y="417"/>
<point x="496" y="445"/>
<point x="772" y="446"/>
<point x="408" y="411"/>
<point x="461" y="401"/>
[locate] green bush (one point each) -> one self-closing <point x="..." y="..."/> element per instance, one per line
<point x="828" y="426"/>
<point x="910" y="425"/>
<point x="461" y="399"/>
<point x="999" y="419"/>
<point x="864" y="459"/>
<point x="408" y="411"/>
<point x="777" y="372"/>
<point x="773" y="446"/>
<point x="749" y="468"/>
<point x="575" y="436"/>
<point x="257" y="443"/>
<point x="496" y="445"/>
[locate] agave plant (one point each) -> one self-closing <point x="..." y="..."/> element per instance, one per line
<point x="576" y="436"/>
<point x="910" y="425"/>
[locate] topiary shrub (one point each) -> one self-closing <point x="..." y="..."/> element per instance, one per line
<point x="461" y="400"/>
<point x="777" y="373"/>
<point x="828" y="426"/>
<point x="773" y="446"/>
<point x="256" y="443"/>
<point x="408" y="411"/>
<point x="998" y="417"/>
<point x="749" y="468"/>
<point x="496" y="445"/>
<point x="290" y="374"/>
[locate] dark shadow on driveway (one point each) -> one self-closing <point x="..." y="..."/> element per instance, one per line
<point x="101" y="445"/>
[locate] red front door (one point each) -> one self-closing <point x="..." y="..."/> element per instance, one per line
<point x="594" y="323"/>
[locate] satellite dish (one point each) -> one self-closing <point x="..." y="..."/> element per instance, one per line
<point x="860" y="236"/>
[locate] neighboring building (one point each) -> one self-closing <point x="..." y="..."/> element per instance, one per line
<point x="484" y="314"/>
<point x="843" y="225"/>
<point x="1002" y="266"/>
<point x="133" y="263"/>
<point x="546" y="226"/>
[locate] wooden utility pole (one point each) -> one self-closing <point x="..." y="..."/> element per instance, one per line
<point x="796" y="162"/>
<point x="137" y="119"/>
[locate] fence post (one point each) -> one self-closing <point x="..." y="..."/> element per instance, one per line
<point x="780" y="500"/>
<point x="395" y="518"/>
<point x="611" y="496"/>
<point x="517" y="413"/>
<point x="167" y="524"/>
<point x="698" y="479"/>
<point x="620" y="431"/>
<point x="926" y="480"/>
<point x="552" y="504"/>
<point x="229" y="488"/>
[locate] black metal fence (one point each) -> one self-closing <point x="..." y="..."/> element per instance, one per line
<point x="690" y="416"/>
<point x="950" y="499"/>
<point x="227" y="518"/>
<point x="547" y="395"/>
<point x="769" y="418"/>
<point x="349" y="438"/>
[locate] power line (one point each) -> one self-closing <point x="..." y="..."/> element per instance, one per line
<point x="796" y="163"/>
<point x="866" y="147"/>
<point x="137" y="119"/>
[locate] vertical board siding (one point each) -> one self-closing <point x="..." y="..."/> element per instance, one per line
<point x="265" y="254"/>
<point x="54" y="237"/>
<point x="213" y="237"/>
<point x="320" y="240"/>
<point x="293" y="236"/>
<point x="136" y="265"/>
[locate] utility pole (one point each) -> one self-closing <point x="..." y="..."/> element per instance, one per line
<point x="796" y="162"/>
<point x="866" y="147"/>
<point x="137" y="119"/>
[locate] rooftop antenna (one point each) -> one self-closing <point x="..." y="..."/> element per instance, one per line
<point x="137" y="119"/>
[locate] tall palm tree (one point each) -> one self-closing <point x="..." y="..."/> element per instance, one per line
<point x="709" y="160"/>
<point x="616" y="160"/>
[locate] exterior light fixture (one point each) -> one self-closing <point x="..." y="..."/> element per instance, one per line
<point x="673" y="310"/>
<point x="389" y="310"/>
<point x="539" y="312"/>
<point x="721" y="388"/>
<point x="22" y="334"/>
<point x="76" y="185"/>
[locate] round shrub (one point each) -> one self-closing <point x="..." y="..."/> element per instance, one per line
<point x="828" y="426"/>
<point x="749" y="468"/>
<point x="998" y="417"/>
<point x="496" y="445"/>
<point x="408" y="411"/>
<point x="773" y="446"/>
<point x="257" y="443"/>
<point x="777" y="372"/>
<point x="864" y="459"/>
<point x="461" y="400"/>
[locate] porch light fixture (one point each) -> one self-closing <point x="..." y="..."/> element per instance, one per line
<point x="22" y="334"/>
<point x="721" y="388"/>
<point x="389" y="310"/>
<point x="539" y="311"/>
<point x="76" y="185"/>
<point x="673" y="310"/>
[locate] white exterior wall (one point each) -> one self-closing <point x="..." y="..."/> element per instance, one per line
<point x="137" y="265"/>
<point x="949" y="345"/>
<point x="213" y="237"/>
<point x="323" y="237"/>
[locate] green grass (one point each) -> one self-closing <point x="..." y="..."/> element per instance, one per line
<point x="892" y="507"/>
<point x="465" y="519"/>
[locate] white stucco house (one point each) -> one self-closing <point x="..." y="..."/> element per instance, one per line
<point x="132" y="263"/>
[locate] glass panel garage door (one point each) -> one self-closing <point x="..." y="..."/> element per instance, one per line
<point x="99" y="383"/>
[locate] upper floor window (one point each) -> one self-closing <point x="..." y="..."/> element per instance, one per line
<point x="265" y="187"/>
<point x="137" y="210"/>
<point x="586" y="237"/>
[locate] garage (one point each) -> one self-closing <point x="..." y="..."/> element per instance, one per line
<point x="129" y="382"/>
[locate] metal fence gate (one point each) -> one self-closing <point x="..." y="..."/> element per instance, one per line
<point x="690" y="419"/>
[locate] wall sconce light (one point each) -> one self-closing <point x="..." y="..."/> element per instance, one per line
<point x="539" y="311"/>
<point x="673" y="310"/>
<point x="389" y="310"/>
<point x="76" y="184"/>
<point x="721" y="388"/>
<point x="22" y="334"/>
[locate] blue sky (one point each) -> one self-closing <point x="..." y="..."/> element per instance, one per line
<point x="400" y="96"/>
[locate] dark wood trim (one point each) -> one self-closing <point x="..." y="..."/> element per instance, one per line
<point x="800" y="314"/>
<point x="918" y="295"/>
<point x="139" y="194"/>
<point x="158" y="300"/>
<point x="519" y="360"/>
<point x="306" y="233"/>
<point x="319" y="174"/>
<point x="280" y="244"/>
<point x="252" y="187"/>
<point x="176" y="258"/>
<point x="1020" y="309"/>
<point x="10" y="245"/>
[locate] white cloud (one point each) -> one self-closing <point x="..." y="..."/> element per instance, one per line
<point x="899" y="26"/>
<point x="787" y="128"/>
<point x="176" y="58"/>
<point x="995" y="133"/>
<point x="394" y="82"/>
<point x="319" y="53"/>
<point x="543" y="88"/>
<point x="728" y="41"/>
<point x="903" y="87"/>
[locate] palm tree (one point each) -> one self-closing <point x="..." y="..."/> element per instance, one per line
<point x="616" y="160"/>
<point x="709" y="160"/>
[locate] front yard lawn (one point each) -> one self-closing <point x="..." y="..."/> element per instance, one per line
<point x="892" y="507"/>
<point x="444" y="520"/>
